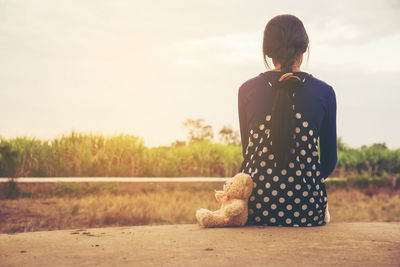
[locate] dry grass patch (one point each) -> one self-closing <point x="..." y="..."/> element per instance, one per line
<point x="129" y="204"/>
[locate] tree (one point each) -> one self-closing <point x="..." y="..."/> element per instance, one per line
<point x="341" y="145"/>
<point x="229" y="136"/>
<point x="177" y="143"/>
<point x="198" y="130"/>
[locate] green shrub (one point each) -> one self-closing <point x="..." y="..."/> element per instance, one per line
<point x="11" y="190"/>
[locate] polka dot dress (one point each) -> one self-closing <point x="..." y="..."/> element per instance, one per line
<point x="293" y="195"/>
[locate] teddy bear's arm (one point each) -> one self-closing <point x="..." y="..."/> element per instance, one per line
<point x="218" y="195"/>
<point x="234" y="208"/>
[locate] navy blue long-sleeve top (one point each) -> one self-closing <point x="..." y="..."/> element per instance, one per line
<point x="316" y="101"/>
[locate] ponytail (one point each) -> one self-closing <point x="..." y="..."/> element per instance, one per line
<point x="283" y="123"/>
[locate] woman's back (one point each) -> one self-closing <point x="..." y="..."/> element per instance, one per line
<point x="294" y="194"/>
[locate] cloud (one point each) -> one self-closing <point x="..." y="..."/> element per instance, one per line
<point x="355" y="22"/>
<point x="224" y="49"/>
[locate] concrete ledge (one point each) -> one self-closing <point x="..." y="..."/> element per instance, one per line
<point x="345" y="244"/>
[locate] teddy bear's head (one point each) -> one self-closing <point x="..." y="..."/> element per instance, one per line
<point x="239" y="187"/>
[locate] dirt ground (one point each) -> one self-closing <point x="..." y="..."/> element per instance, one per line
<point x="336" y="244"/>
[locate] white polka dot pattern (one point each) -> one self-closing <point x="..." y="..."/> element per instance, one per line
<point x="294" y="195"/>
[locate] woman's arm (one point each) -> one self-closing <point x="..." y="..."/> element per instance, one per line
<point x="328" y="137"/>
<point x="242" y="119"/>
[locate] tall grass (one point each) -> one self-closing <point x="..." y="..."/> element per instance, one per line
<point x="202" y="158"/>
<point x="94" y="155"/>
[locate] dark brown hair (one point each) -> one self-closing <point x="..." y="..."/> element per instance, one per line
<point x="284" y="38"/>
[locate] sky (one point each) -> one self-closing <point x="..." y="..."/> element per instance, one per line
<point x="144" y="67"/>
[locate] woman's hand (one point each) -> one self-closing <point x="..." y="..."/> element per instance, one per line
<point x="327" y="215"/>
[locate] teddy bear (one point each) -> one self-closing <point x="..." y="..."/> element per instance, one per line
<point x="234" y="199"/>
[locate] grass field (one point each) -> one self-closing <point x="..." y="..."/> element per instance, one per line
<point x="70" y="206"/>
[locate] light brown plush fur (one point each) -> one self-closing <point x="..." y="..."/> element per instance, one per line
<point x="233" y="211"/>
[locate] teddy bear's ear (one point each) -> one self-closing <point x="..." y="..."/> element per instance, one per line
<point x="243" y="185"/>
<point x="244" y="177"/>
<point x="248" y="185"/>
